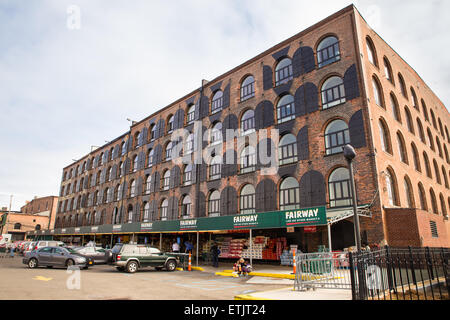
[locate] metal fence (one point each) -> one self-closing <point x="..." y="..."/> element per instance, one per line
<point x="400" y="274"/>
<point x="322" y="270"/>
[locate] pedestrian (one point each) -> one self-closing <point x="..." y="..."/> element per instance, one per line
<point x="189" y="246"/>
<point x="176" y="247"/>
<point x="215" y="252"/>
<point x="12" y="252"/>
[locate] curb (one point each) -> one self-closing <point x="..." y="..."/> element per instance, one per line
<point x="251" y="297"/>
<point x="226" y="273"/>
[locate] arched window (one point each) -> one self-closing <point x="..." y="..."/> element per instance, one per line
<point x="133" y="188"/>
<point x="388" y="70"/>
<point x="421" y="132"/>
<point x="123" y="148"/>
<point x="371" y="53"/>
<point x="286" y="109"/>
<point x="215" y="168"/>
<point x="333" y="92"/>
<point x="130" y="214"/>
<point x="402" y="85"/>
<point x="425" y="111"/>
<point x="121" y="169"/>
<point x="214" y="204"/>
<point x="216" y="133"/>
<point x="422" y="197"/>
<point x="447" y="158"/>
<point x="153" y="132"/>
<point x="164" y="209"/>
<point x="416" y="158"/>
<point x="443" y="205"/>
<point x="287" y="149"/>
<point x="427" y="165"/>
<point x="434" y="206"/>
<point x="441" y="128"/>
<point x="106" y="196"/>
<point x="247" y="200"/>
<point x="170" y="124"/>
<point x="444" y="174"/>
<point x="328" y="51"/>
<point x="446" y="133"/>
<point x="37" y="227"/>
<point x="17" y="226"/>
<point x="189" y="145"/>
<point x="438" y="144"/>
<point x="385" y="137"/>
<point x="248" y="122"/>
<point x="289" y="194"/>
<point x="377" y="92"/>
<point x="217" y="102"/>
<point x="187" y="175"/>
<point x="415" y="101"/>
<point x="248" y="88"/>
<point x="150" y="155"/>
<point x="168" y="152"/>
<point x="166" y="180"/>
<point x="409" y="121"/>
<point x="283" y="72"/>
<point x="190" y="114"/>
<point x="430" y="139"/>
<point x="391" y="188"/>
<point x="116" y="217"/>
<point x="395" y="108"/>
<point x="109" y="176"/>
<point x="436" y="172"/>
<point x="137" y="137"/>
<point x="339" y="188"/>
<point x="409" y="193"/>
<point x="433" y="119"/>
<point x="247" y="159"/>
<point x="337" y="135"/>
<point x="146" y="215"/>
<point x="119" y="192"/>
<point x="402" y="148"/>
<point x="186" y="207"/>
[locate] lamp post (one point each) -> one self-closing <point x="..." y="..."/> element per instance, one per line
<point x="350" y="154"/>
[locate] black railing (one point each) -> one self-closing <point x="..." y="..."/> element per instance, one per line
<point x="401" y="274"/>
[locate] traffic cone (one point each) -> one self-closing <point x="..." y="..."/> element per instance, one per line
<point x="189" y="266"/>
<point x="295" y="264"/>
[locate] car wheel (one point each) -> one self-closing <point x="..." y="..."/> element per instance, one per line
<point x="33" y="263"/>
<point x="171" y="265"/>
<point x="132" y="266"/>
<point x="69" y="263"/>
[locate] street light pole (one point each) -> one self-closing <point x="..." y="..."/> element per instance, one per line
<point x="350" y="154"/>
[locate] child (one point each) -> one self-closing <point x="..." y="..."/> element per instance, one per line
<point x="241" y="267"/>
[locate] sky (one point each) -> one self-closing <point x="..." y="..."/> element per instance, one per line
<point x="73" y="72"/>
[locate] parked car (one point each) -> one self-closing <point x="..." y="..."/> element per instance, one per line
<point x="44" y="243"/>
<point x="98" y="254"/>
<point x="131" y="257"/>
<point x="21" y="247"/>
<point x="56" y="257"/>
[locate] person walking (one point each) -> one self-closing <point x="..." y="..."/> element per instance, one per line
<point x="189" y="246"/>
<point x="215" y="255"/>
<point x="12" y="252"/>
<point x="175" y="247"/>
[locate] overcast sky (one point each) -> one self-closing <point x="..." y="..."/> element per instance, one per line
<point x="63" y="90"/>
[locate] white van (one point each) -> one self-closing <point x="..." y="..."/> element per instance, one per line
<point x="41" y="244"/>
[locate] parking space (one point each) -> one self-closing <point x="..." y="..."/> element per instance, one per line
<point x="105" y="282"/>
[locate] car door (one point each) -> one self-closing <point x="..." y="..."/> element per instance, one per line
<point x="100" y="255"/>
<point x="44" y="255"/>
<point x="57" y="257"/>
<point x="156" y="257"/>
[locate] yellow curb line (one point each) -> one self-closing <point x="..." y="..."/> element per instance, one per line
<point x="251" y="297"/>
<point x="197" y="268"/>
<point x="261" y="274"/>
<point x="226" y="274"/>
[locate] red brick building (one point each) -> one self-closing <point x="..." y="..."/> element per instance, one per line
<point x="332" y="84"/>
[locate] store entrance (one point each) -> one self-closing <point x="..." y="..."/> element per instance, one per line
<point x="342" y="235"/>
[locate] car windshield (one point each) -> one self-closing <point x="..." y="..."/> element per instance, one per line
<point x="70" y="250"/>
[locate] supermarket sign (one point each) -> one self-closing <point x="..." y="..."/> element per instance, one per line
<point x="265" y="220"/>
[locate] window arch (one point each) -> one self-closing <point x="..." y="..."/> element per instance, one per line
<point x="133" y="188"/>
<point x="247" y="159"/>
<point x="187" y="175"/>
<point x="371" y="53"/>
<point x="248" y="88"/>
<point x="436" y="172"/>
<point x="438" y="144"/>
<point x="444" y="174"/>
<point x="286" y="108"/>
<point x="402" y="148"/>
<point x="415" y="101"/>
<point x="328" y="51"/>
<point x="163" y="210"/>
<point x="337" y="135"/>
<point x="247" y="200"/>
<point x="416" y="158"/>
<point x="443" y="205"/>
<point x="395" y="108"/>
<point x="447" y="158"/>
<point x="385" y="137"/>
<point x="425" y="111"/>
<point x="214" y="204"/>
<point x="248" y="122"/>
<point x="427" y="165"/>
<point x="289" y="194"/>
<point x="391" y="187"/>
<point x="409" y="194"/>
<point x="388" y="70"/>
<point x="146" y="211"/>
<point x="186" y="204"/>
<point x="170" y="122"/>
<point x="409" y="121"/>
<point x="433" y="119"/>
<point x="166" y="180"/>
<point x="421" y="132"/>
<point x="283" y="71"/>
<point x="422" y="197"/>
<point x="377" y="92"/>
<point x="287" y="149"/>
<point x="402" y="85"/>
<point x="430" y="139"/>
<point x="217" y="102"/>
<point x="216" y="133"/>
<point x="333" y="92"/>
<point x="434" y="206"/>
<point x="215" y="168"/>
<point x="339" y="188"/>
<point x="190" y="114"/>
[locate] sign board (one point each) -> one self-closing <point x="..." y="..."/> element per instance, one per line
<point x="310" y="229"/>
<point x="290" y="229"/>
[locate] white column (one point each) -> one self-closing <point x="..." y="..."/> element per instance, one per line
<point x="329" y="236"/>
<point x="197" y="248"/>
<point x="251" y="249"/>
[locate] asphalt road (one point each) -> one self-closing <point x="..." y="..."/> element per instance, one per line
<point x="103" y="282"/>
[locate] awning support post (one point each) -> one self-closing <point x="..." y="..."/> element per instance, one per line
<point x="251" y="249"/>
<point x="329" y="236"/>
<point x="197" y="248"/>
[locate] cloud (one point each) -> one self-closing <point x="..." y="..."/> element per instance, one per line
<point x="65" y="90"/>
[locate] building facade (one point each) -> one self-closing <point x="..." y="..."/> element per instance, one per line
<point x="332" y="84"/>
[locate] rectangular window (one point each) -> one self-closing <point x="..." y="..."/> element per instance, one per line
<point x="328" y="55"/>
<point x="216" y="105"/>
<point x="333" y="96"/>
<point x="248" y="91"/>
<point x="248" y="163"/>
<point x="283" y="75"/>
<point x="335" y="141"/>
<point x="340" y="194"/>
<point x="215" y="171"/>
<point x="214" y="208"/>
<point x="288" y="153"/>
<point x="290" y="198"/>
<point x="247" y="204"/>
<point x="190" y="117"/>
<point x="286" y="112"/>
<point x="433" y="227"/>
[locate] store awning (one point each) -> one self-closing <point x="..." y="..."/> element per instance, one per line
<point x="339" y="214"/>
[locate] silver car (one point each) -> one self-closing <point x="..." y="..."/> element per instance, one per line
<point x="56" y="257"/>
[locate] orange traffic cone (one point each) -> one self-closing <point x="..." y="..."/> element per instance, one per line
<point x="295" y="264"/>
<point x="189" y="266"/>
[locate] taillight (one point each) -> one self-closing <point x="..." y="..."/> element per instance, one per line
<point x="118" y="257"/>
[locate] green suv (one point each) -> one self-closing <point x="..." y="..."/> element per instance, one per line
<point x="131" y="257"/>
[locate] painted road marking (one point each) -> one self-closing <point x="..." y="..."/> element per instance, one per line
<point x="41" y="278"/>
